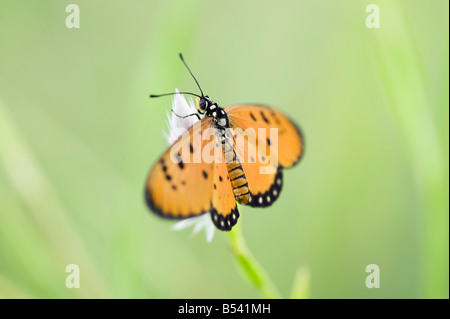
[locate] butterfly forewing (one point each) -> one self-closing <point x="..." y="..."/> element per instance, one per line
<point x="224" y="209"/>
<point x="255" y="117"/>
<point x="191" y="178"/>
<point x="176" y="187"/>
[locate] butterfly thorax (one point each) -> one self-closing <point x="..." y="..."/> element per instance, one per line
<point x="220" y="117"/>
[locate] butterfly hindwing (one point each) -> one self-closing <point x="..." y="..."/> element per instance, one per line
<point x="263" y="155"/>
<point x="264" y="179"/>
<point x="224" y="209"/>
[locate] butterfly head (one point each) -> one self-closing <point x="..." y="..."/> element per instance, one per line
<point x="203" y="103"/>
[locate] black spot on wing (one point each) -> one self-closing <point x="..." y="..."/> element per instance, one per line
<point x="163" y="164"/>
<point x="264" y="117"/>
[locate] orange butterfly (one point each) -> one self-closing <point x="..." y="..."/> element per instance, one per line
<point x="231" y="154"/>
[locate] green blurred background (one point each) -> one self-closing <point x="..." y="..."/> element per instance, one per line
<point x="78" y="135"/>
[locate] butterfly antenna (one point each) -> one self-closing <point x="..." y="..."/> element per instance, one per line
<point x="182" y="59"/>
<point x="174" y="93"/>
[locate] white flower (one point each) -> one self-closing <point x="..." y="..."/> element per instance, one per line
<point x="177" y="126"/>
<point x="200" y="222"/>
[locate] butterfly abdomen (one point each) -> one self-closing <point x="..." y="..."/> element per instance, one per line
<point x="236" y="174"/>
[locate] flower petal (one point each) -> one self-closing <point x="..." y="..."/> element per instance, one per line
<point x="210" y="230"/>
<point x="176" y="123"/>
<point x="185" y="223"/>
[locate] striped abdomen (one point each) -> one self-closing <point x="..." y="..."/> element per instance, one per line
<point x="236" y="174"/>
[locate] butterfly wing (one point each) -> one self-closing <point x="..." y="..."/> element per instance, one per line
<point x="173" y="188"/>
<point x="190" y="179"/>
<point x="264" y="152"/>
<point x="224" y="209"/>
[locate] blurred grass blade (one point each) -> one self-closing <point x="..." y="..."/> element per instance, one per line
<point x="301" y="286"/>
<point x="400" y="64"/>
<point x="46" y="209"/>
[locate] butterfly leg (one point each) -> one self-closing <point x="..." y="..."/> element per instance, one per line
<point x="185" y="116"/>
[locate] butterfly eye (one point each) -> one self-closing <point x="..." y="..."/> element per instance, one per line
<point x="202" y="104"/>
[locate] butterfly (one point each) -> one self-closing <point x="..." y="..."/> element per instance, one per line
<point x="230" y="155"/>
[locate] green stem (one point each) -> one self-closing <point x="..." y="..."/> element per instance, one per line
<point x="249" y="267"/>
